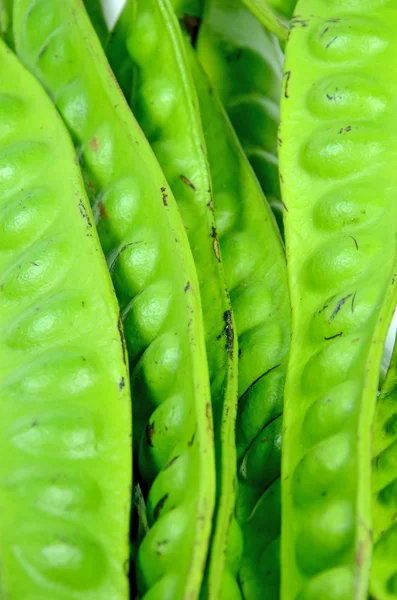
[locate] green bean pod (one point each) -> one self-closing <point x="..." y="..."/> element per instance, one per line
<point x="153" y="273"/>
<point x="273" y="14"/>
<point x="383" y="580"/>
<point x="244" y="64"/>
<point x="337" y="134"/>
<point x="65" y="436"/>
<point x="165" y="103"/>
<point x="256" y="277"/>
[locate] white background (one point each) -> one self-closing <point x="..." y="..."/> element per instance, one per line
<point x="112" y="9"/>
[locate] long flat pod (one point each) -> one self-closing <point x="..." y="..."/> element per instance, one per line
<point x="243" y="62"/>
<point x="65" y="410"/>
<point x="256" y="277"/>
<point x="154" y="277"/>
<point x="383" y="582"/>
<point x="273" y="14"/>
<point x="337" y="143"/>
<point x="165" y="103"/>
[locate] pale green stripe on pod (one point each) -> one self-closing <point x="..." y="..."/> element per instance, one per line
<point x="337" y="134"/>
<point x="65" y="409"/>
<point x="155" y="280"/>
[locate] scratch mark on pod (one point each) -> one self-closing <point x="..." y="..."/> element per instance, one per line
<point x="258" y="379"/>
<point x="287" y="78"/>
<point x="215" y="244"/>
<point x="332" y="337"/>
<point x="338" y="307"/>
<point x="171" y="462"/>
<point x="353" y="300"/>
<point x="159" y="506"/>
<point x="121" y="384"/>
<point x="187" y="287"/>
<point x="186" y="181"/>
<point x="84" y="213"/>
<point x="229" y="331"/>
<point x="331" y="41"/>
<point x="354" y="240"/>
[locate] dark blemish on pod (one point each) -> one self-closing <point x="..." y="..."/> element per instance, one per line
<point x="324" y="32"/>
<point x="354" y="240"/>
<point x="121" y="384"/>
<point x="215" y="244"/>
<point x="94" y="144"/>
<point x="229" y="331"/>
<point x="120" y="329"/>
<point x="280" y="141"/>
<point x="258" y="379"/>
<point x="160" y="546"/>
<point x="192" y="25"/>
<point x="164" y="196"/>
<point x="102" y="210"/>
<point x="210" y="205"/>
<point x="187" y="287"/>
<point x="35" y="264"/>
<point x="265" y="440"/>
<point x="287" y="78"/>
<point x="159" y="506"/>
<point x="283" y="203"/>
<point x="281" y="179"/>
<point x="333" y="20"/>
<point x="338" y="306"/>
<point x="149" y="433"/>
<point x="84" y="213"/>
<point x="186" y="181"/>
<point x="34" y="423"/>
<point x="332" y="337"/>
<point x="191" y="441"/>
<point x="171" y="462"/>
<point x="331" y="41"/>
<point x="299" y="22"/>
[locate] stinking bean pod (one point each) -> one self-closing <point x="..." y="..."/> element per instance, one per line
<point x="256" y="277"/>
<point x="65" y="435"/>
<point x="383" y="580"/>
<point x="153" y="273"/>
<point x="244" y="64"/>
<point x="273" y="14"/>
<point x="337" y="134"/>
<point x="165" y="104"/>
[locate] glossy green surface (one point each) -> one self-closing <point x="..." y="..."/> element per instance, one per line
<point x="256" y="277"/>
<point x="244" y="64"/>
<point x="337" y="137"/>
<point x="65" y="435"/>
<point x="165" y="104"/>
<point x="153" y="272"/>
<point x="384" y="489"/>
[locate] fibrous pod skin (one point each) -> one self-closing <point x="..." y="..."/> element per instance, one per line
<point x="337" y="135"/>
<point x="165" y="103"/>
<point x="153" y="273"/>
<point x="383" y="580"/>
<point x="65" y="411"/>
<point x="256" y="277"/>
<point x="243" y="62"/>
